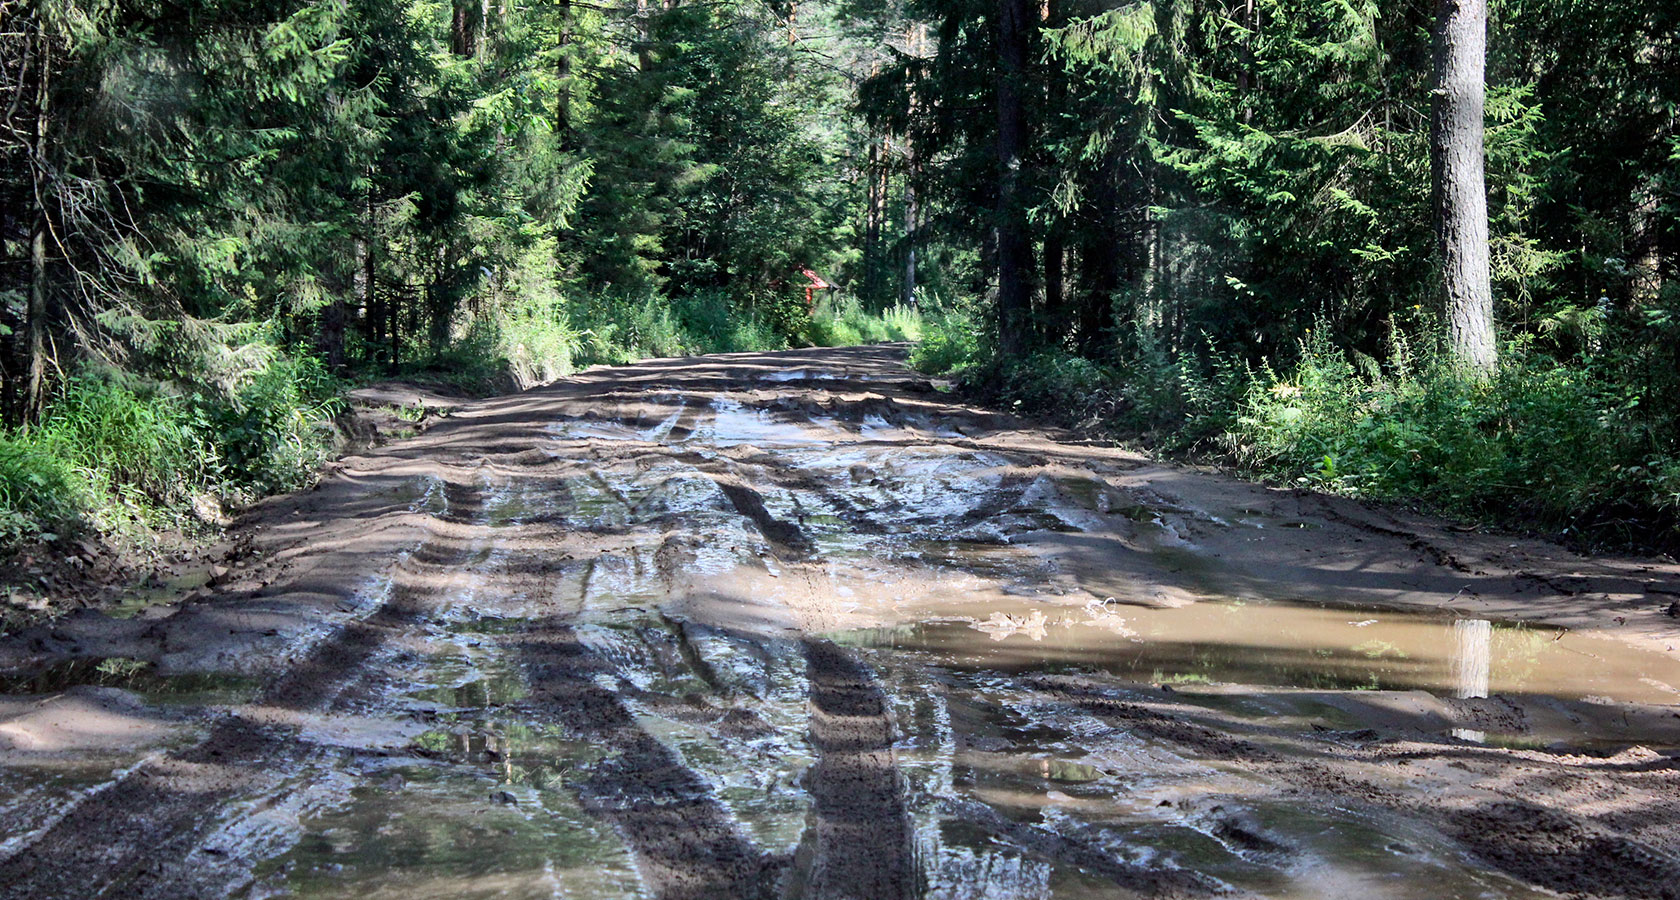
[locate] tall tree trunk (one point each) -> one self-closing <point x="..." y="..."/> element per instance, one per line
<point x="872" y="223"/>
<point x="912" y="212"/>
<point x="40" y="297"/>
<point x="440" y="309"/>
<point x="644" y="36"/>
<point x="362" y="281"/>
<point x="1460" y="187"/>
<point x="332" y="332"/>
<point x="563" y="77"/>
<point x="1014" y="243"/>
<point x="1247" y="77"/>
<point x="1055" y="299"/>
<point x="464" y="27"/>
<point x="1055" y="237"/>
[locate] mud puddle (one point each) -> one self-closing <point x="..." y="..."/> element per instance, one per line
<point x="1014" y="794"/>
<point x="795" y="627"/>
<point x="1524" y="685"/>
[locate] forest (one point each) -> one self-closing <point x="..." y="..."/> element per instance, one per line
<point x="1395" y="250"/>
<point x="839" y="449"/>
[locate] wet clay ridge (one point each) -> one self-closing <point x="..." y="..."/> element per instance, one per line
<point x="803" y="625"/>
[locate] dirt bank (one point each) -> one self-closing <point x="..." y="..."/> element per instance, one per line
<point x="799" y="625"/>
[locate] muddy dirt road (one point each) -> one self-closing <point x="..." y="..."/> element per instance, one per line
<point x="799" y="626"/>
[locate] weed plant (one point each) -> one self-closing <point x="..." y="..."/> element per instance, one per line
<point x="113" y="453"/>
<point x="1558" y="443"/>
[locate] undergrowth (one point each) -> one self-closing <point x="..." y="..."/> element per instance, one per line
<point x="846" y="323"/>
<point x="120" y="454"/>
<point x="116" y="454"/>
<point x="1561" y="444"/>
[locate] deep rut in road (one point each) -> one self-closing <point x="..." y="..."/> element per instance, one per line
<point x="801" y="626"/>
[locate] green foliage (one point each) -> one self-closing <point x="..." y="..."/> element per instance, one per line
<point x="110" y="453"/>
<point x="1556" y="442"/>
<point x="950" y="344"/>
<point x="270" y="435"/>
<point x="1077" y="389"/>
<point x="513" y="346"/>
<point x="39" y="492"/>
<point x="1561" y="444"/>
<point x="847" y="323"/>
<point x="142" y="443"/>
<point x="621" y="331"/>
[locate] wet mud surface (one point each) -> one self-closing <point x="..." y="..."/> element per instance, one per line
<point x="801" y="626"/>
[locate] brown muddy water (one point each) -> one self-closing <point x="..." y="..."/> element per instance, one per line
<point x="798" y="626"/>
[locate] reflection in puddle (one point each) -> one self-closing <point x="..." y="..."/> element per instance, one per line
<point x="1069" y="790"/>
<point x="1472" y="657"/>
<point x="1471" y="661"/>
<point x="1291" y="645"/>
<point x="418" y="833"/>
<point x="133" y="675"/>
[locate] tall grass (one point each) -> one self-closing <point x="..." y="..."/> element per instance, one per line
<point x="111" y="452"/>
<point x="846" y="323"/>
<point x="1555" y="442"/>
<point x="1559" y="444"/>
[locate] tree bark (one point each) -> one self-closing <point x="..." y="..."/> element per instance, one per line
<point x="464" y="28"/>
<point x="332" y="332"/>
<point x="1055" y="322"/>
<point x="874" y="201"/>
<point x="366" y="290"/>
<point x="40" y="298"/>
<point x="912" y="212"/>
<point x="1459" y="181"/>
<point x="1055" y="299"/>
<point x="1014" y="243"/>
<point x="563" y="77"/>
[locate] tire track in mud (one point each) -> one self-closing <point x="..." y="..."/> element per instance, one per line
<point x="1556" y="850"/>
<point x="1068" y="844"/>
<point x="785" y="536"/>
<point x="861" y="846"/>
<point x="1087" y="854"/>
<point x="143" y="836"/>
<point x="686" y="844"/>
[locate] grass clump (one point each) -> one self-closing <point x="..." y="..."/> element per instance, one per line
<point x="1555" y="442"/>
<point x="40" y="493"/>
<point x="1560" y="443"/>
<point x="113" y="453"/>
<point x="846" y="323"/>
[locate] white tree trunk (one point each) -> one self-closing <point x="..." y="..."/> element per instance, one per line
<point x="1460" y="183"/>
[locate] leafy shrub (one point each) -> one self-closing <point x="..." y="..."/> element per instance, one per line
<point x="109" y="452"/>
<point x="1561" y="444"/>
<point x="950" y="344"/>
<point x="269" y="436"/>
<point x="1553" y="441"/>
<point x="846" y="323"/>
<point x="1072" y="387"/>
<point x="39" y="492"/>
